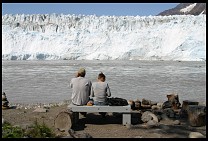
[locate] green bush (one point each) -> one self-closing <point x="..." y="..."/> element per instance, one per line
<point x="35" y="131"/>
<point x="9" y="131"/>
<point x="40" y="131"/>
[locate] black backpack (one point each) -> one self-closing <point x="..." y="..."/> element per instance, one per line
<point x="116" y="101"/>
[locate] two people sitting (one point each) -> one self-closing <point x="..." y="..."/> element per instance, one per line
<point x="83" y="89"/>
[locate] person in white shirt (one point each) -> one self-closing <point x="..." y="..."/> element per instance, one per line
<point x="100" y="91"/>
<point x="81" y="88"/>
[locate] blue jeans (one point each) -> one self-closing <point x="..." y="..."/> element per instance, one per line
<point x="99" y="103"/>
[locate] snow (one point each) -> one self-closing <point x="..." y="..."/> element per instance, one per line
<point x="188" y="8"/>
<point x="79" y="37"/>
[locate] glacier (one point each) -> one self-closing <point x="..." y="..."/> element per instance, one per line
<point x="91" y="37"/>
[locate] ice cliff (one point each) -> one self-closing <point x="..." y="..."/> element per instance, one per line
<point x="51" y="37"/>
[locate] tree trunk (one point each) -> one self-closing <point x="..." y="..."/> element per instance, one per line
<point x="184" y="109"/>
<point x="63" y="121"/>
<point x="197" y="115"/>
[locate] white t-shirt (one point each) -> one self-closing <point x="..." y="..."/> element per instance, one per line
<point x="80" y="90"/>
<point x="100" y="91"/>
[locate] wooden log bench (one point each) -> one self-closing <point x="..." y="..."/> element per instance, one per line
<point x="66" y="119"/>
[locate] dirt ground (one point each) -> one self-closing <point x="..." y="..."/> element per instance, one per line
<point x="98" y="127"/>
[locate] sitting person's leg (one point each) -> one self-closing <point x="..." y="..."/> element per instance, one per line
<point x="101" y="104"/>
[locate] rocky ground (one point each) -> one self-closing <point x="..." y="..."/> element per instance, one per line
<point x="110" y="127"/>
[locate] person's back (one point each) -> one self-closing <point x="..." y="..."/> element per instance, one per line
<point x="100" y="90"/>
<point x="80" y="88"/>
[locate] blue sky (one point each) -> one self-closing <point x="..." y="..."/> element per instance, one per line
<point x="99" y="9"/>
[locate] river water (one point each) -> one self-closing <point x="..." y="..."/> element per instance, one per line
<point x="31" y="82"/>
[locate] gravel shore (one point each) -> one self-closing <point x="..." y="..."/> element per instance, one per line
<point x="98" y="127"/>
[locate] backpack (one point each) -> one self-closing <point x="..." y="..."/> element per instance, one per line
<point x="116" y="101"/>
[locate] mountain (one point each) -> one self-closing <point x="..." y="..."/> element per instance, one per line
<point x="186" y="9"/>
<point x="89" y="37"/>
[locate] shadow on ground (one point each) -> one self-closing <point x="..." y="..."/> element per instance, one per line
<point x="97" y="119"/>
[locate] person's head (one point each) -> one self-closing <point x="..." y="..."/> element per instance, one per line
<point x="81" y="72"/>
<point x="101" y="77"/>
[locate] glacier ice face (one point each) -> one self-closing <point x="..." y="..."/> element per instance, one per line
<point x="78" y="37"/>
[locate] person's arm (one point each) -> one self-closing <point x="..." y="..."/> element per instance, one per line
<point x="108" y="91"/>
<point x="92" y="92"/>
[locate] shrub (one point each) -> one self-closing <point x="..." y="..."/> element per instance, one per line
<point x="9" y="131"/>
<point x="40" y="131"/>
<point x="35" y="131"/>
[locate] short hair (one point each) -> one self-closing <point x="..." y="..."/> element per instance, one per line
<point x="101" y="75"/>
<point x="81" y="72"/>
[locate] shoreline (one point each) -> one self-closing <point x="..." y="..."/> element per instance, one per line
<point x="37" y="105"/>
<point x="56" y="104"/>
